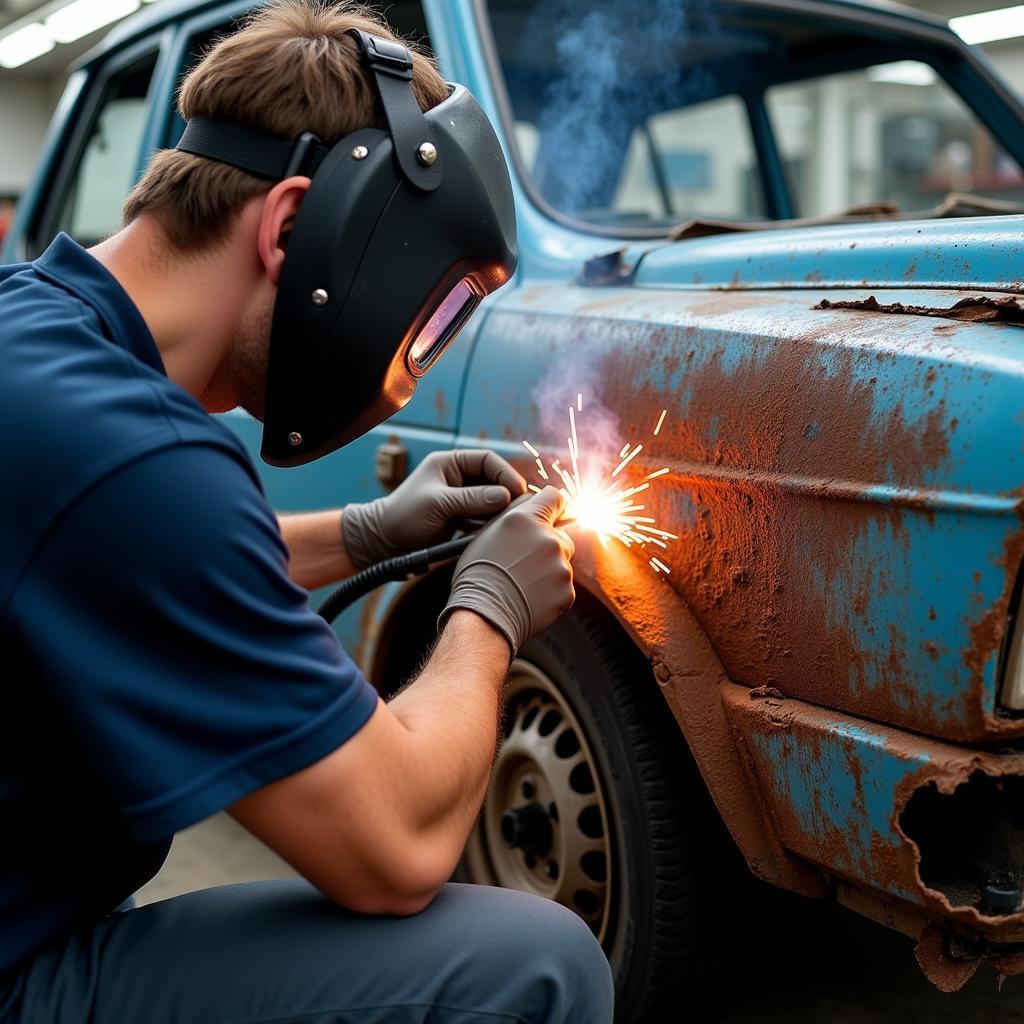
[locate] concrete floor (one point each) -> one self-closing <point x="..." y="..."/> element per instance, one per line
<point x="821" y="965"/>
<point x="215" y="852"/>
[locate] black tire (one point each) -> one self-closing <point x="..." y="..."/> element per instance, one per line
<point x="672" y="864"/>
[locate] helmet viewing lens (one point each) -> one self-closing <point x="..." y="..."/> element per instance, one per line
<point x="440" y="330"/>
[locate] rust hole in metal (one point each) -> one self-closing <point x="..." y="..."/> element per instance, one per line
<point x="969" y="839"/>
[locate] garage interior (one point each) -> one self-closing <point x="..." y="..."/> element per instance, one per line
<point x="847" y="141"/>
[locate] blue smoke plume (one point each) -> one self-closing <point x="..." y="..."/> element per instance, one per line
<point x="615" y="64"/>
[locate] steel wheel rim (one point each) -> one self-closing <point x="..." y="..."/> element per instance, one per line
<point x="545" y="765"/>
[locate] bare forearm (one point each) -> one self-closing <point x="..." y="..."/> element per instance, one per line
<point x="317" y="550"/>
<point x="450" y="717"/>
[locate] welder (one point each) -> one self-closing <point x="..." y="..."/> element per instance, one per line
<point x="332" y="215"/>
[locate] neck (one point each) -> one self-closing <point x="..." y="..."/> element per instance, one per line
<point x="190" y="304"/>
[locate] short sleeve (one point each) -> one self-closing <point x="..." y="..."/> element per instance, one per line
<point x="160" y="615"/>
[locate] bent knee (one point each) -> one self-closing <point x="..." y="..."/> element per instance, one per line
<point x="559" y="958"/>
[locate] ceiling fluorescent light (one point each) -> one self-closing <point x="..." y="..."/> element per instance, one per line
<point x="903" y="72"/>
<point x="24" y="45"/>
<point x="988" y="26"/>
<point x="81" y="17"/>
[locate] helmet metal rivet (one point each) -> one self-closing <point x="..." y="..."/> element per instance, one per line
<point x="295" y="439"/>
<point x="360" y="152"/>
<point x="427" y="154"/>
<point x="320" y="297"/>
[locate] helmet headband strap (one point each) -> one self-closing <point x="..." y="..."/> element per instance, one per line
<point x="274" y="158"/>
<point x="250" y="150"/>
<point x="416" y="148"/>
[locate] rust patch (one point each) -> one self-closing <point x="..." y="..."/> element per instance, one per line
<point x="942" y="970"/>
<point x="733" y="302"/>
<point x="988" y="631"/>
<point x="759" y="561"/>
<point x="976" y="309"/>
<point x="441" y="405"/>
<point x="891" y="861"/>
<point x="691" y="678"/>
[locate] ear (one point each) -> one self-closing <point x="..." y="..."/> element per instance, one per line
<point x="280" y="206"/>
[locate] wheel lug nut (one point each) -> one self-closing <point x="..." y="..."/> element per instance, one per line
<point x="551" y="869"/>
<point x="527" y="788"/>
<point x="553" y="811"/>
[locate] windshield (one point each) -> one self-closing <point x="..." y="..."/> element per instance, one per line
<point x="647" y="114"/>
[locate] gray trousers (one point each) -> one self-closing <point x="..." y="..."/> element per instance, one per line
<point x="280" y="952"/>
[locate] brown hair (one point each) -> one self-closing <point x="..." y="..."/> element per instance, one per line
<point x="290" y="69"/>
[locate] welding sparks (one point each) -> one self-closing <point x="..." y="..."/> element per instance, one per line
<point x="598" y="500"/>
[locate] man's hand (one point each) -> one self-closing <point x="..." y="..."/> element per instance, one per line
<point x="445" y="489"/>
<point x="517" y="573"/>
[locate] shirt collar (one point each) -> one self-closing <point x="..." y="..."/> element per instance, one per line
<point x="70" y="266"/>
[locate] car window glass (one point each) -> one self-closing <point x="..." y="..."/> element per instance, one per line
<point x="697" y="161"/>
<point x="612" y="125"/>
<point x="888" y="133"/>
<point x="91" y="205"/>
<point x="633" y="130"/>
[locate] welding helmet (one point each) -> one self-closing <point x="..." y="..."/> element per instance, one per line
<point x="400" y="236"/>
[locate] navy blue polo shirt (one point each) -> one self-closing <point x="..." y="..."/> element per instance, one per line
<point x="156" y="662"/>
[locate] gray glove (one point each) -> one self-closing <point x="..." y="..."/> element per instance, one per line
<point x="517" y="573"/>
<point x="427" y="508"/>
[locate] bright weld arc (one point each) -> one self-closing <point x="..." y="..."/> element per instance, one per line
<point x="598" y="501"/>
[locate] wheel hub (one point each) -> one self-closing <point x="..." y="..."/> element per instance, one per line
<point x="527" y="828"/>
<point x="543" y="827"/>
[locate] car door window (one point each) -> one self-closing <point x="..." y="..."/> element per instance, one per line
<point x="893" y="133"/>
<point x="90" y="206"/>
<point x="696" y="161"/>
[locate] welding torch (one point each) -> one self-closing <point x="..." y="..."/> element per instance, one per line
<point x="404" y="567"/>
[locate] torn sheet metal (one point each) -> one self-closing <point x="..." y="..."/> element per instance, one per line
<point x="837" y="790"/>
<point x="973" y="309"/>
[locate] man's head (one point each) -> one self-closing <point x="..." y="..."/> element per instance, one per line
<point x="290" y="69"/>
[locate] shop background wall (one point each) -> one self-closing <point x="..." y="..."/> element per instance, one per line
<point x="29" y="95"/>
<point x="26" y="104"/>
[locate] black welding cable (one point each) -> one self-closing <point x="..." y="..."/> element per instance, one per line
<point x="401" y="567"/>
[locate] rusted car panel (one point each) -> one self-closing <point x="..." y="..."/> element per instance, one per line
<point x="873" y="804"/>
<point x="845" y="484"/>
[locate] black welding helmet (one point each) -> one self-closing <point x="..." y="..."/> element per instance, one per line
<point x="401" y="234"/>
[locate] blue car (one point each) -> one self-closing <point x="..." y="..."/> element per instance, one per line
<point x="776" y="249"/>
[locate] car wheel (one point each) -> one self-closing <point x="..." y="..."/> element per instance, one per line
<point x="596" y="803"/>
